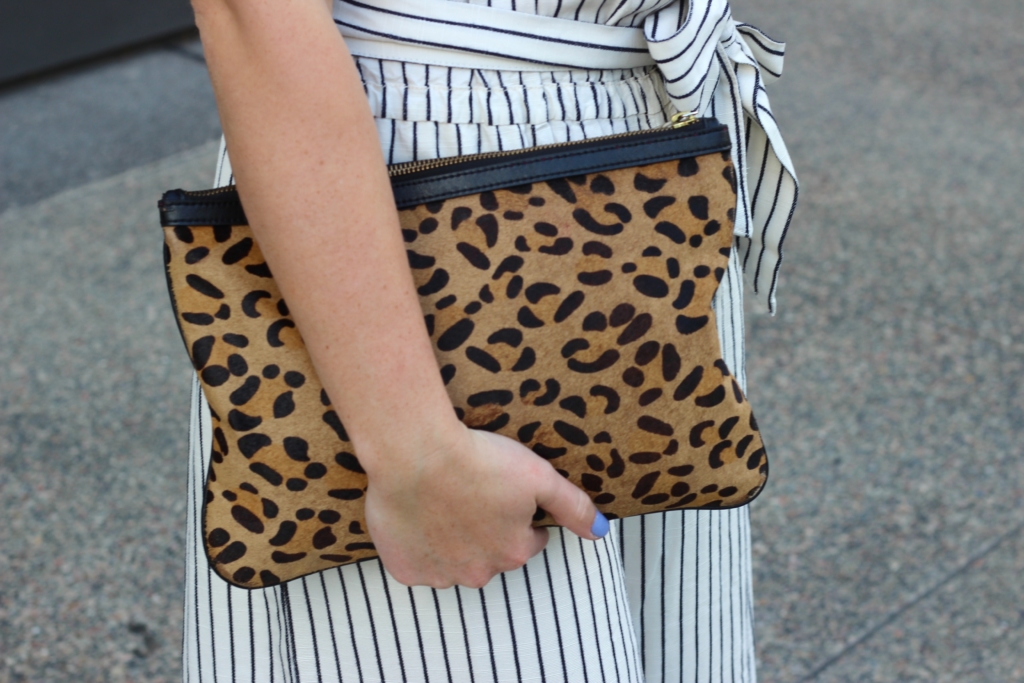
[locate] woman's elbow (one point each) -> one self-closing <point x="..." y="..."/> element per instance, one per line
<point x="208" y="11"/>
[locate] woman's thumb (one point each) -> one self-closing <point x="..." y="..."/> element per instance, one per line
<point x="571" y="507"/>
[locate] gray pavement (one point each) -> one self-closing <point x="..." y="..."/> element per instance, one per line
<point x="889" y="545"/>
<point x="85" y="124"/>
<point x="94" y="396"/>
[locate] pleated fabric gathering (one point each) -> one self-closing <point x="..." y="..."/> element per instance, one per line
<point x="496" y="111"/>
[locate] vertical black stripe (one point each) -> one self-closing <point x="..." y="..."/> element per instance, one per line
<point x="664" y="523"/>
<point x="575" y="608"/>
<point x="449" y="94"/>
<point x="362" y="78"/>
<point x="405" y="94"/>
<point x="561" y="102"/>
<point x="632" y="95"/>
<point x="741" y="162"/>
<point x="622" y="614"/>
<point x="209" y="572"/>
<point x="533" y="617"/>
<point x="782" y="239"/>
<point x="394" y="622"/>
<point x="351" y="627"/>
<point x="330" y="625"/>
<point x="647" y="108"/>
<point x="270" y="635"/>
<point x="383" y="91"/>
<point x="544" y="96"/>
<point x="293" y="651"/>
<point x="593" y="610"/>
<point x="391" y="145"/>
<point x="576" y="98"/>
<point x="287" y="666"/>
<point x="419" y="634"/>
<point x="684" y="514"/>
<point x="373" y="626"/>
<point x="643" y="591"/>
<point x="196" y="517"/>
<point x="608" y="616"/>
<point x="511" y="627"/>
<point x="746" y="133"/>
<point x="252" y="638"/>
<point x="736" y="331"/>
<point x="231" y="631"/>
<point x="711" y="593"/>
<point x="487" y="89"/>
<point x="760" y="175"/>
<point x="696" y="596"/>
<point x="429" y="90"/>
<point x="554" y="614"/>
<point x="622" y="542"/>
<point x="721" y="600"/>
<point x="312" y="630"/>
<point x="512" y="119"/>
<point x="487" y="629"/>
<point x="767" y="225"/>
<point x="465" y="634"/>
<point x="732" y="607"/>
<point x="220" y="163"/>
<point x="444" y="641"/>
<point x="608" y="97"/>
<point x="283" y="650"/>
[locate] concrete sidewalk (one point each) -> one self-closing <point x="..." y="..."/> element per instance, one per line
<point x="889" y="545"/>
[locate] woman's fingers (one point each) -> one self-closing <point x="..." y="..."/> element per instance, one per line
<point x="540" y="541"/>
<point x="465" y="515"/>
<point x="570" y="506"/>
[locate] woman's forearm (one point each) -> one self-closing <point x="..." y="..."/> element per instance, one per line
<point x="311" y="174"/>
<point x="445" y="504"/>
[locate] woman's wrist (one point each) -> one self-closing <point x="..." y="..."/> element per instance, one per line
<point x="399" y="451"/>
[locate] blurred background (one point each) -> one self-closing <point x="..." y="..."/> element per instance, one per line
<point x="889" y="544"/>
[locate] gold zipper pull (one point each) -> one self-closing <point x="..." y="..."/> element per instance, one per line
<point x="682" y="119"/>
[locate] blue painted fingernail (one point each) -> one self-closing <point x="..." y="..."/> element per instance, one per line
<point x="600" y="527"/>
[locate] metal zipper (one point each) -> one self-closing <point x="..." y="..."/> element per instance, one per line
<point x="678" y="120"/>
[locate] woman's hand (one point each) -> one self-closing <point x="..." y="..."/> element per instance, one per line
<point x="463" y="513"/>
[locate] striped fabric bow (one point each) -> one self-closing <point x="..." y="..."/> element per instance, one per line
<point x="712" y="65"/>
<point x="716" y="66"/>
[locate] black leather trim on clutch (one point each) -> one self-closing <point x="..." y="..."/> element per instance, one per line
<point x="213" y="207"/>
<point x="474" y="175"/>
<point x="537" y="165"/>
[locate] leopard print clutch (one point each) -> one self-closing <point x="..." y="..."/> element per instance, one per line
<point x="568" y="295"/>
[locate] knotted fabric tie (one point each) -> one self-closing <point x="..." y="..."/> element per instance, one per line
<point x="712" y="65"/>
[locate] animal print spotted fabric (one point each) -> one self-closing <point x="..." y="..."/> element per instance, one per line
<point x="573" y="315"/>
